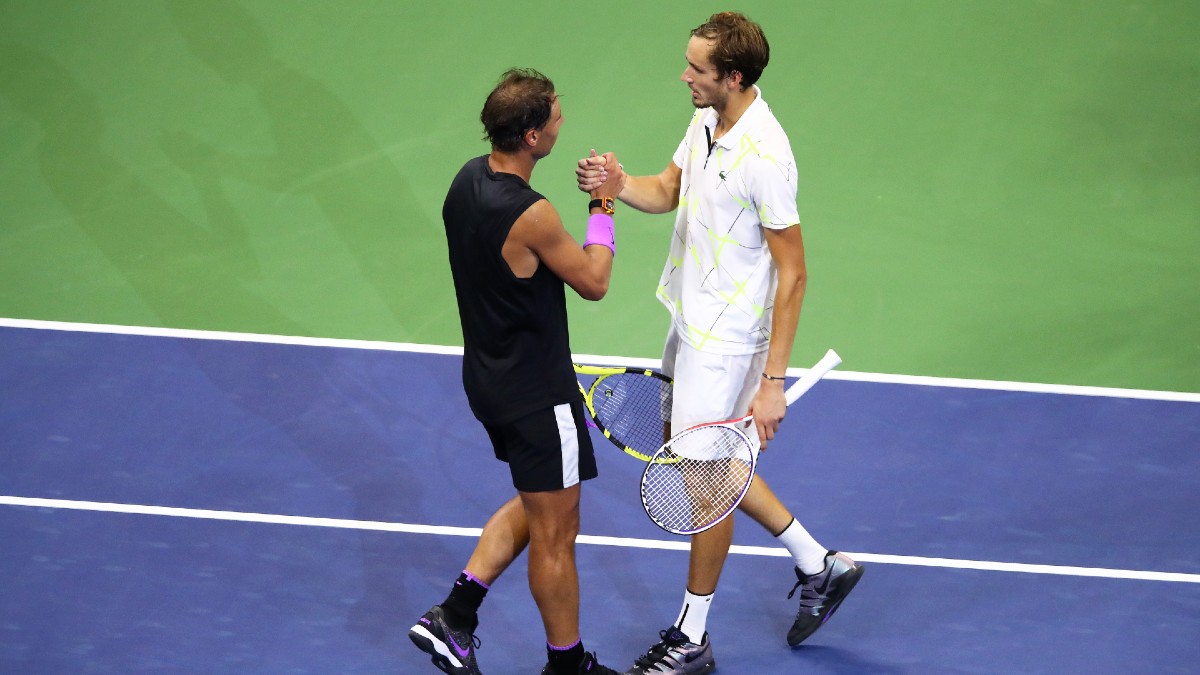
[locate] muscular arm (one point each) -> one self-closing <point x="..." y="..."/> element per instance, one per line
<point x="787" y="250"/>
<point x="539" y="235"/>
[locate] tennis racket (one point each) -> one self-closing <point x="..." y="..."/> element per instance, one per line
<point x="630" y="406"/>
<point x="699" y="476"/>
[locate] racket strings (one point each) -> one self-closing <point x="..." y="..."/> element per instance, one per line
<point x="698" y="480"/>
<point x="634" y="409"/>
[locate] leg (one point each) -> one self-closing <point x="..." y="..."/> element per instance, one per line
<point x="446" y="632"/>
<point x="761" y="504"/>
<point x="553" y="523"/>
<point x="824" y="578"/>
<point x="707" y="557"/>
<point x="504" y="537"/>
<point x="764" y="507"/>
<point x="706" y="388"/>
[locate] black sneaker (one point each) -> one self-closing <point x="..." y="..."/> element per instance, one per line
<point x="821" y="594"/>
<point x="588" y="666"/>
<point x="452" y="651"/>
<point x="676" y="654"/>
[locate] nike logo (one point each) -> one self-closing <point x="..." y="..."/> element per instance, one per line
<point x="825" y="586"/>
<point x="461" y="652"/>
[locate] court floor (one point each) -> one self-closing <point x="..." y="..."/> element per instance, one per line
<point x="182" y="504"/>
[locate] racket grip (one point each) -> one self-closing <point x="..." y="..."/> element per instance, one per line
<point x="827" y="363"/>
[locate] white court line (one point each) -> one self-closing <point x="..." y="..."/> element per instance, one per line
<point x="671" y="545"/>
<point x="885" y="378"/>
<point x="190" y="334"/>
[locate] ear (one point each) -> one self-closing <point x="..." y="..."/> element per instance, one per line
<point x="734" y="78"/>
<point x="531" y="138"/>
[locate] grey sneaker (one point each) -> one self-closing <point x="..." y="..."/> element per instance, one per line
<point x="452" y="651"/>
<point x="821" y="594"/>
<point x="674" y="654"/>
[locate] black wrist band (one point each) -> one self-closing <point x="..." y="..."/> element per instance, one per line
<point x="771" y="377"/>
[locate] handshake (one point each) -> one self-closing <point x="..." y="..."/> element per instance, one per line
<point x="601" y="176"/>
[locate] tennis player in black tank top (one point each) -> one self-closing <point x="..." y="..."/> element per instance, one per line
<point x="517" y="356"/>
<point x="511" y="259"/>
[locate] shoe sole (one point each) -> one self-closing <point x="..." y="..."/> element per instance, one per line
<point x="848" y="583"/>
<point x="710" y="667"/>
<point x="437" y="651"/>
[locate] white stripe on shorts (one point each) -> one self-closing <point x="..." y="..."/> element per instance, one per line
<point x="568" y="438"/>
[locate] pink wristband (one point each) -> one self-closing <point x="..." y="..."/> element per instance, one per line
<point x="600" y="231"/>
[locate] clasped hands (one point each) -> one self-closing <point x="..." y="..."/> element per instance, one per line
<point x="600" y="175"/>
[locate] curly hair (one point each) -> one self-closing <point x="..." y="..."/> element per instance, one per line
<point x="739" y="45"/>
<point x="521" y="101"/>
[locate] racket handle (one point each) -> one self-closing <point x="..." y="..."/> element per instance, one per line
<point x="812" y="376"/>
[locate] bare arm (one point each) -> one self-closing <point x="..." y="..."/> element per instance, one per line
<point x="539" y="235"/>
<point x="651" y="194"/>
<point x="787" y="250"/>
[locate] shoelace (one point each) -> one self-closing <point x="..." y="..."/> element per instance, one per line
<point x="799" y="583"/>
<point x="658" y="651"/>
<point x="809" y="597"/>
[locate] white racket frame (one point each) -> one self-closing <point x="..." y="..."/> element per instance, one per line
<point x="809" y="378"/>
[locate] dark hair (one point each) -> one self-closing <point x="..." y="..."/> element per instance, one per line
<point x="739" y="45"/>
<point x="520" y="102"/>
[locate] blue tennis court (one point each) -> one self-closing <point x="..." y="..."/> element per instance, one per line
<point x="208" y="503"/>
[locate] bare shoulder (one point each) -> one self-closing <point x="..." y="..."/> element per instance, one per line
<point x="538" y="221"/>
<point x="541" y="211"/>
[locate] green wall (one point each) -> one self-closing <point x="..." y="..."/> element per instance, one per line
<point x="998" y="190"/>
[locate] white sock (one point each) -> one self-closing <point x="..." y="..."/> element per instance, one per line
<point x="693" y="618"/>
<point x="808" y="554"/>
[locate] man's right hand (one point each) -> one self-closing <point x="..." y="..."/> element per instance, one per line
<point x="600" y="175"/>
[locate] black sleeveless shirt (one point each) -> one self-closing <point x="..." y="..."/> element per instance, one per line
<point x="517" y="353"/>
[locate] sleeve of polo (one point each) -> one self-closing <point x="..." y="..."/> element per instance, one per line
<point x="680" y="157"/>
<point x="681" y="153"/>
<point x="771" y="181"/>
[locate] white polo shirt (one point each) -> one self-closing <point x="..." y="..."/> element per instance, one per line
<point x="719" y="279"/>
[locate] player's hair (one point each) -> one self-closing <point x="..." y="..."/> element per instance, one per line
<point x="521" y="101"/>
<point x="739" y="45"/>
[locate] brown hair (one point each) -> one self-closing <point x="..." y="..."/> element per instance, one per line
<point x="739" y="45"/>
<point x="521" y="101"/>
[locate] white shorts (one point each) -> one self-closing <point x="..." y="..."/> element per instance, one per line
<point x="709" y="387"/>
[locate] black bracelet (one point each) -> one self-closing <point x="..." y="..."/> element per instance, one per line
<point x="770" y="377"/>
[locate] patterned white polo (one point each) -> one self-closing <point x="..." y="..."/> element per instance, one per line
<point x="719" y="279"/>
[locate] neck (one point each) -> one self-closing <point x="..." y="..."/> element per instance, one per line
<point x="735" y="106"/>
<point x="517" y="163"/>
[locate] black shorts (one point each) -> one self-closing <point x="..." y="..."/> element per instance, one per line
<point x="549" y="449"/>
